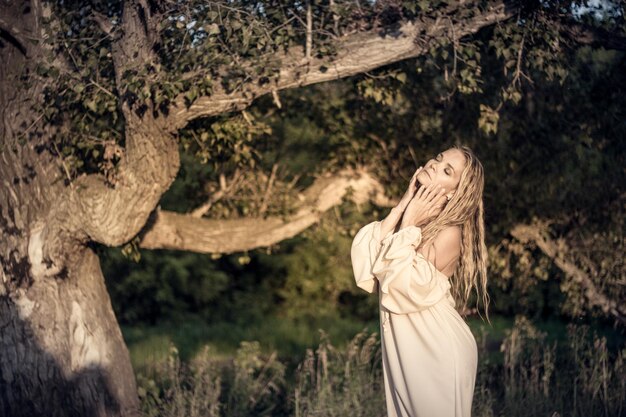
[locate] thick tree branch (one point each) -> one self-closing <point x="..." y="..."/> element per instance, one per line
<point x="171" y="230"/>
<point x="539" y="236"/>
<point x="113" y="213"/>
<point x="357" y="53"/>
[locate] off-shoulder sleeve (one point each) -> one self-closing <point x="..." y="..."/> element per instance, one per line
<point x="366" y="246"/>
<point x="408" y="281"/>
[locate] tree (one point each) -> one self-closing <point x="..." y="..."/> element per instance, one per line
<point x="96" y="101"/>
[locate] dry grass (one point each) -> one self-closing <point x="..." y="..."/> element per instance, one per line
<point x="530" y="376"/>
<point x="333" y="383"/>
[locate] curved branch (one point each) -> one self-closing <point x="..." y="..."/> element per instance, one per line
<point x="552" y="249"/>
<point x="170" y="230"/>
<point x="113" y="213"/>
<point x="356" y="53"/>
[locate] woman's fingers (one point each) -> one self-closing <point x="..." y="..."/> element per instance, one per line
<point x="441" y="200"/>
<point x="436" y="195"/>
<point x="412" y="183"/>
<point x="414" y="177"/>
<point x="421" y="191"/>
<point x="436" y="206"/>
<point x="428" y="191"/>
<point x="433" y="192"/>
<point x="442" y="194"/>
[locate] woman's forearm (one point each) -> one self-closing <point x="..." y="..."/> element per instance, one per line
<point x="392" y="220"/>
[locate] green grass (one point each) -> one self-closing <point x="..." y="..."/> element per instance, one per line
<point x="289" y="338"/>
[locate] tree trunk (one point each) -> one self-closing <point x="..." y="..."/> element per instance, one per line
<point x="61" y="349"/>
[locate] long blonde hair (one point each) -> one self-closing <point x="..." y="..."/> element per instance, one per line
<point x="465" y="209"/>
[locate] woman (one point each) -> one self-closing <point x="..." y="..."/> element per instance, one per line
<point x="434" y="235"/>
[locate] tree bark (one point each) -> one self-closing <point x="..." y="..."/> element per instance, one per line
<point x="61" y="349"/>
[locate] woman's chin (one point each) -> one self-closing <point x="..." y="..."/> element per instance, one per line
<point x="424" y="180"/>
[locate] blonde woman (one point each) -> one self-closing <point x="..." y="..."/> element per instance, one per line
<point x="424" y="259"/>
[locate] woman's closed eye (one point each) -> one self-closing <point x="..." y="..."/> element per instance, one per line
<point x="447" y="171"/>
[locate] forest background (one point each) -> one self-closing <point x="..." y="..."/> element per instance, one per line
<point x="280" y="328"/>
<point x="554" y="157"/>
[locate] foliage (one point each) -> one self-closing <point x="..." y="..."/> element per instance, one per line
<point x="578" y="376"/>
<point x="308" y="278"/>
<point x="318" y="274"/>
<point x="162" y="286"/>
<point x="205" y="45"/>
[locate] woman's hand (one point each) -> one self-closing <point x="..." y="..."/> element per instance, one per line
<point x="425" y="205"/>
<point x="395" y="215"/>
<point x="410" y="192"/>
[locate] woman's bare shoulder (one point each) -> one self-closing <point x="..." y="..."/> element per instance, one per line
<point x="445" y="248"/>
<point x="449" y="238"/>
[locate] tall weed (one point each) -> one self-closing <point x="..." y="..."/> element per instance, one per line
<point x="538" y="377"/>
<point x="531" y="375"/>
<point x="336" y="383"/>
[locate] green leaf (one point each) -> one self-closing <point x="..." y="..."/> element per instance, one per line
<point x="212" y="29"/>
<point x="92" y="105"/>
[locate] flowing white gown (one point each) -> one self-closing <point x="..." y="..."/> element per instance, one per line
<point x="429" y="353"/>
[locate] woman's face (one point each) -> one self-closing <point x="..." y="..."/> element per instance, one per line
<point x="445" y="169"/>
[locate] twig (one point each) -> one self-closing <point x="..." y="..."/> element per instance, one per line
<point x="276" y="99"/>
<point x="30" y="126"/>
<point x="65" y="168"/>
<point x="454" y="46"/>
<point x="102" y="22"/>
<point x="102" y="88"/>
<point x="225" y="188"/>
<point x="309" y="29"/>
<point x="268" y="190"/>
<point x="335" y="18"/>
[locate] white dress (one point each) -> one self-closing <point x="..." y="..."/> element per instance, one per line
<point x="429" y="353"/>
